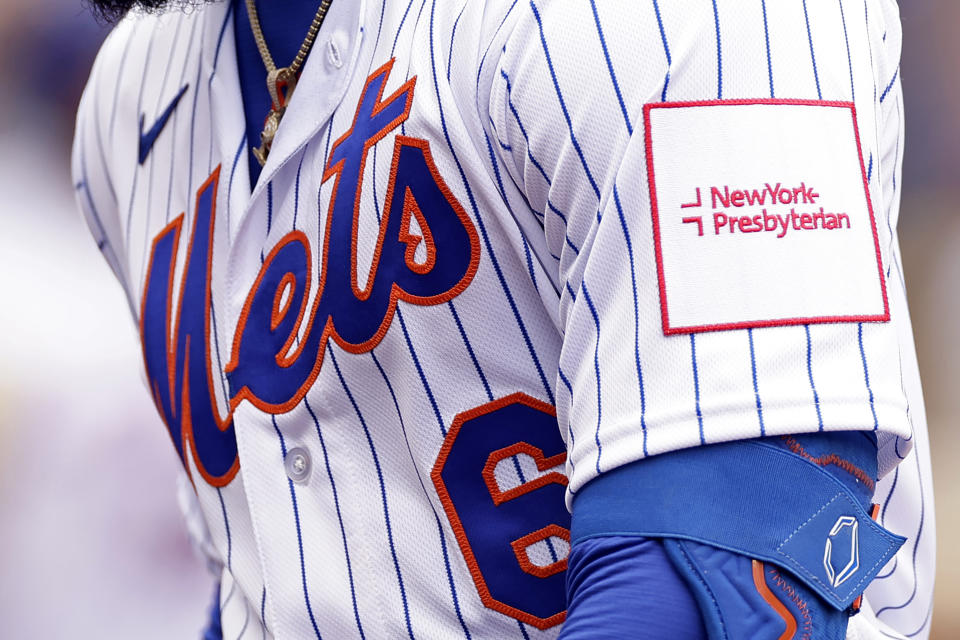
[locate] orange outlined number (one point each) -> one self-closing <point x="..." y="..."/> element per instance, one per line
<point x="496" y="526"/>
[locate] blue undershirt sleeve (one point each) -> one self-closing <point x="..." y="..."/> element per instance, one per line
<point x="626" y="587"/>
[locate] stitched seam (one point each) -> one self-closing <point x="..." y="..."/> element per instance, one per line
<point x="696" y="573"/>
<point x="801" y="604"/>
<point x="826" y="460"/>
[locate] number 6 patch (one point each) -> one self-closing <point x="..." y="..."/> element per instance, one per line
<point x="497" y="478"/>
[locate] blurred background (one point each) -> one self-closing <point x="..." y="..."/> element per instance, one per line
<point x="91" y="539"/>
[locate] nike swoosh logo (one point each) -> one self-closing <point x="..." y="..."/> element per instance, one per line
<point x="147" y="139"/>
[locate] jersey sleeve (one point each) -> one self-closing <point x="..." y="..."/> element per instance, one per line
<point x="91" y="158"/>
<point x="711" y="183"/>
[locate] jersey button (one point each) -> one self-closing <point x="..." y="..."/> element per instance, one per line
<point x="297" y="465"/>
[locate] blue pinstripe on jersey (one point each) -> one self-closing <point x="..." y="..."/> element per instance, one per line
<point x="493" y="38"/>
<point x="866" y="19"/>
<point x="503" y="145"/>
<point x="443" y="539"/>
<point x="813" y="387"/>
<point x="596" y="368"/>
<point x="213" y="72"/>
<point x="175" y="118"/>
<point x="916" y="547"/>
<point x="383" y="489"/>
<point x="263" y="607"/>
<point x="563" y="103"/>
<point x="453" y="34"/>
<point x="846" y="39"/>
<point x="893" y="569"/>
<point x="136" y="174"/>
<point x="99" y="141"/>
<point x="863" y="355"/>
<point x="529" y="258"/>
<point x="226" y="601"/>
<point x="116" y="89"/>
<point x="160" y="95"/>
<point x="396" y="37"/>
<point x="423" y="377"/>
<point x="336" y="504"/>
<point x="896" y="447"/>
<point x="696" y="384"/>
<point x="866" y="376"/>
<point x="636" y="316"/>
<point x="376" y="43"/>
<point x="535" y="162"/>
<point x="613" y="75"/>
<point x="226" y="526"/>
<point x="269" y="213"/>
<point x="539" y="167"/>
<point x="216" y="345"/>
<point x="572" y="443"/>
<point x="453" y="588"/>
<point x="495" y="163"/>
<point x="893" y="174"/>
<point x="716" y="21"/>
<point x="470" y="352"/>
<point x="296" y="517"/>
<point x="416" y="23"/>
<point x="889" y="87"/>
<point x="101" y="234"/>
<point x="246" y="621"/>
<point x="766" y="36"/>
<point x="813" y="56"/>
<point x="479" y="218"/>
<point x="193" y="112"/>
<point x="922" y="626"/>
<point x="666" y="51"/>
<point x="756" y="387"/>
<point x="296" y="186"/>
<point x="233" y="170"/>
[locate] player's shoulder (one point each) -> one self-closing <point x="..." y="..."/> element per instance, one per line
<point x="585" y="40"/>
<point x="142" y="50"/>
<point x="121" y="44"/>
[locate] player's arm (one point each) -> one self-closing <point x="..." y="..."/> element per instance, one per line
<point x="728" y="364"/>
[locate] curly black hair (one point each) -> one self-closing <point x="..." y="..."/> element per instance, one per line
<point x="111" y="11"/>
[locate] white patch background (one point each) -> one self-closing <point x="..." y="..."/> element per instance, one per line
<point x="738" y="279"/>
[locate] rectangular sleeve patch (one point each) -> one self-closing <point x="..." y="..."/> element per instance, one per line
<point x="761" y="215"/>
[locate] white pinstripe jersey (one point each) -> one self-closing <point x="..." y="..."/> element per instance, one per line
<point x="456" y="232"/>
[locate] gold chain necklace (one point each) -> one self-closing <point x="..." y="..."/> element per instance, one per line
<point x="280" y="82"/>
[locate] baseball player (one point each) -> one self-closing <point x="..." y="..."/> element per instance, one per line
<point x="525" y="318"/>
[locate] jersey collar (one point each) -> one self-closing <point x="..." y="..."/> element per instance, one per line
<point x="323" y="83"/>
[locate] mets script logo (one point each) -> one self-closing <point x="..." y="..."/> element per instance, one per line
<point x="266" y="367"/>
